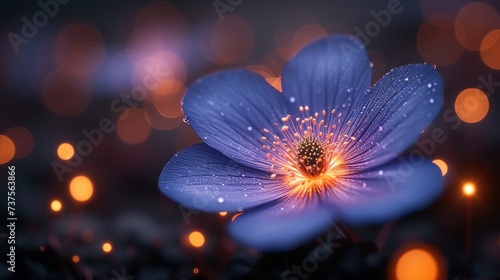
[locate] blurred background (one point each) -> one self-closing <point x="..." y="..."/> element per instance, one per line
<point x="90" y="97"/>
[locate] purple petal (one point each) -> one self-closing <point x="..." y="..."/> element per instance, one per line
<point x="331" y="73"/>
<point x="202" y="178"/>
<point x="229" y="111"/>
<point x="401" y="186"/>
<point x="281" y="226"/>
<point x="397" y="109"/>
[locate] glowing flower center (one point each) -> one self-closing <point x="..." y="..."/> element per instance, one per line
<point x="307" y="151"/>
<point x="311" y="156"/>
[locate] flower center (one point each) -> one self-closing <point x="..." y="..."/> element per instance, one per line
<point x="307" y="152"/>
<point x="311" y="156"/>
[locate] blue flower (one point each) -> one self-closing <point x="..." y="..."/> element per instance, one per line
<point x="324" y="149"/>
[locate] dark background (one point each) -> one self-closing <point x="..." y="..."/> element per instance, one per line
<point x="98" y="62"/>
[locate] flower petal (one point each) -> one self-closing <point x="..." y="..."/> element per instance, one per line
<point x="397" y="109"/>
<point x="282" y="225"/>
<point x="202" y="178"/>
<point x="229" y="110"/>
<point x="388" y="192"/>
<point x="332" y="72"/>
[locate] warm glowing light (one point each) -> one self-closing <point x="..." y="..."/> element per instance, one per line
<point x="132" y="126"/>
<point x="75" y="259"/>
<point x="231" y="40"/>
<point x="66" y="95"/>
<point x="275" y="82"/>
<point x="81" y="188"/>
<point x="305" y="35"/>
<point x="442" y="165"/>
<point x="236" y="216"/>
<point x="161" y="63"/>
<point x="196" y="270"/>
<point x="471" y="105"/>
<point x="310" y="160"/>
<point x="56" y="205"/>
<point x="23" y="140"/>
<point x="473" y="22"/>
<point x="196" y="239"/>
<point x="65" y="151"/>
<point x="436" y="41"/>
<point x="417" y="264"/>
<point x="42" y="248"/>
<point x="106" y="247"/>
<point x="469" y="189"/>
<point x="168" y="104"/>
<point x="223" y="214"/>
<point x="7" y="149"/>
<point x="490" y="49"/>
<point x="79" y="50"/>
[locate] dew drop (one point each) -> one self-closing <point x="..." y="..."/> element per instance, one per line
<point x="432" y="100"/>
<point x="429" y="85"/>
<point x="371" y="64"/>
<point x="222" y="114"/>
<point x="406" y="79"/>
<point x="282" y="208"/>
<point x="220" y="199"/>
<point x="380" y="128"/>
<point x="249" y="128"/>
<point x="292" y="99"/>
<point x="210" y="102"/>
<point x="239" y="209"/>
<point x="364" y="185"/>
<point x="185" y="120"/>
<point x="380" y="172"/>
<point x="246" y="195"/>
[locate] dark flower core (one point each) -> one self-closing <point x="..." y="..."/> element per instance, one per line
<point x="311" y="156"/>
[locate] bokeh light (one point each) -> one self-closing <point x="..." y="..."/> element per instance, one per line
<point x="436" y="41"/>
<point x="75" y="259"/>
<point x="132" y="126"/>
<point x="442" y="165"/>
<point x="490" y="49"/>
<point x="417" y="264"/>
<point x="79" y="50"/>
<point x="66" y="95"/>
<point x="158" y="26"/>
<point x="196" y="239"/>
<point x="471" y="105"/>
<point x="417" y="261"/>
<point x="65" y="151"/>
<point x="469" y="189"/>
<point x="159" y="70"/>
<point x="7" y="149"/>
<point x="231" y="40"/>
<point x="168" y="104"/>
<point x="196" y="270"/>
<point x="23" y="140"/>
<point x="305" y="35"/>
<point x="106" y="247"/>
<point x="473" y="22"/>
<point x="81" y="188"/>
<point x="223" y="214"/>
<point x="56" y="205"/>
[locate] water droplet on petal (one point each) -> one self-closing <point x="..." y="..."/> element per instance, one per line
<point x="210" y="102"/>
<point x="292" y="99"/>
<point x="249" y="128"/>
<point x="432" y="100"/>
<point x="282" y="208"/>
<point x="220" y="199"/>
<point x="239" y="209"/>
<point x="429" y="85"/>
<point x="185" y="120"/>
<point x="364" y="185"/>
<point x="406" y="79"/>
<point x="381" y="172"/>
<point x="380" y="128"/>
